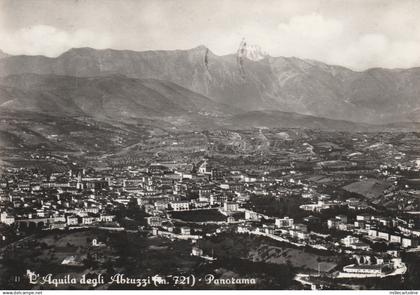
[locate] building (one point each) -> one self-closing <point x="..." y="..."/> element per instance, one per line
<point x="354" y="243"/>
<point x="360" y="246"/>
<point x="383" y="235"/>
<point x="185" y="231"/>
<point x="268" y="230"/>
<point x="195" y="251"/>
<point x="161" y="205"/>
<point x="298" y="234"/>
<point x="409" y="242"/>
<point x="251" y="215"/>
<point x="204" y="193"/>
<point x="376" y="269"/>
<point x="284" y="222"/>
<point x="373" y="233"/>
<point x="321" y="205"/>
<point x="363" y="217"/>
<point x="230" y="206"/>
<point x="395" y="239"/>
<point x="180" y="205"/>
<point x="341" y="218"/>
<point x="154" y="221"/>
<point x="204" y="168"/>
<point x="300" y="227"/>
<point x="339" y="222"/>
<point x="6" y="218"/>
<point x="218" y="199"/>
<point x="299" y="231"/>
<point x="200" y="204"/>
<point x="72" y="220"/>
<point x="107" y="218"/>
<point x="349" y="240"/>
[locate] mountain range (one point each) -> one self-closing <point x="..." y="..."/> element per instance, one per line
<point x="230" y="89"/>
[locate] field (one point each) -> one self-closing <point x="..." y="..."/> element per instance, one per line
<point x="371" y="188"/>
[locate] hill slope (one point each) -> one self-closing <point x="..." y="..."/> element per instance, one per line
<point x="166" y="105"/>
<point x="112" y="97"/>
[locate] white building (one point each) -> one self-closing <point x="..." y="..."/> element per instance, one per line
<point x="154" y="221"/>
<point x="185" y="231"/>
<point x="196" y="251"/>
<point x="72" y="220"/>
<point x="321" y="205"/>
<point x="180" y="205"/>
<point x="349" y="240"/>
<point x="408" y="242"/>
<point x="6" y="219"/>
<point x="284" y="222"/>
<point x="251" y="215"/>
<point x="365" y="269"/>
<point x="230" y="207"/>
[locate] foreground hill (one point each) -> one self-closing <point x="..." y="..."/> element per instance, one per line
<point x="277" y="83"/>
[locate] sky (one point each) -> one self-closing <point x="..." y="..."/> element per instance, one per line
<point x="358" y="34"/>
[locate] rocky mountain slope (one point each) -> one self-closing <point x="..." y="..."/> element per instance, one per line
<point x="275" y="83"/>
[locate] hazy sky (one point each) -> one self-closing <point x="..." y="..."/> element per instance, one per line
<point x="355" y="33"/>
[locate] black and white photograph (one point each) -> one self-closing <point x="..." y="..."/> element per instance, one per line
<point x="222" y="145"/>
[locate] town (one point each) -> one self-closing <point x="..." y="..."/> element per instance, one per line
<point x="334" y="210"/>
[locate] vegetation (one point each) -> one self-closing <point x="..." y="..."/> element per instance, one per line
<point x="277" y="206"/>
<point x="199" y="215"/>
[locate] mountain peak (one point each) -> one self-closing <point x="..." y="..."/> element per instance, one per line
<point x="251" y="51"/>
<point x="200" y="47"/>
<point x="79" y="51"/>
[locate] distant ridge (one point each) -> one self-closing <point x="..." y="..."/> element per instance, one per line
<point x="378" y="96"/>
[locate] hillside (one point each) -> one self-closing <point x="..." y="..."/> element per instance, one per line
<point x="273" y="119"/>
<point x="117" y="98"/>
<point x="114" y="97"/>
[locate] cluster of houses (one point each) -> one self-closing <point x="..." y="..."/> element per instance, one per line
<point x="376" y="228"/>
